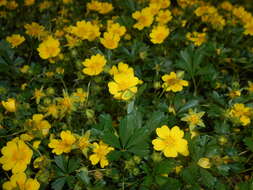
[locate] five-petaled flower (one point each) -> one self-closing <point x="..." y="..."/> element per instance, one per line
<point x="170" y="141"/>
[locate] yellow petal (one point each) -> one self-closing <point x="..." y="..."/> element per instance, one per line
<point x="163" y="131"/>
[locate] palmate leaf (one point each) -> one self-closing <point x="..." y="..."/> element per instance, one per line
<point x="133" y="135"/>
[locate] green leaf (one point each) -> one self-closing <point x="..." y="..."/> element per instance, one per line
<point x="141" y="149"/>
<point x="114" y="155"/>
<point x="73" y="165"/>
<point x="155" y="121"/>
<point x="61" y="163"/>
<point x="84" y="176"/>
<point x="165" y="167"/>
<point x="207" y="179"/>
<point x="111" y="139"/>
<point x="171" y="183"/>
<point x="249" y="143"/>
<point x="188" y="105"/>
<point x="59" y="183"/>
<point x="190" y="174"/>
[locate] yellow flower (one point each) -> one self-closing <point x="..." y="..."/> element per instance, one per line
<point x="124" y="86"/>
<point x="86" y="30"/>
<point x="64" y="145"/>
<point x="26" y="137"/>
<point x="162" y="3"/>
<point x="196" y="37"/>
<point x="144" y="18"/>
<point x="3" y="2"/>
<point x="101" y="7"/>
<point x="45" y="5"/>
<point x="29" y="2"/>
<point x="93" y="5"/>
<point x="204" y="163"/>
<point x="226" y="6"/>
<point x="36" y="144"/>
<point x="100" y="151"/>
<point x="242" y="113"/>
<point x="49" y="48"/>
<point x="163" y="17"/>
<point x="110" y="40"/>
<point x="24" y="69"/>
<point x="11" y="5"/>
<point x="178" y="169"/>
<point x="94" y="65"/>
<point x="83" y="143"/>
<point x="15" y="40"/>
<point x="158" y="34"/>
<point x="194" y="119"/>
<point x="249" y="28"/>
<point x="173" y="83"/>
<point x="35" y="30"/>
<point x="67" y="1"/>
<point x="38" y="94"/>
<point x="66" y="104"/>
<point x="250" y="87"/>
<point x="21" y="182"/>
<point x="170" y="141"/>
<point x="39" y="124"/>
<point x="234" y="93"/>
<point x="72" y="41"/>
<point x="80" y="94"/>
<point x="116" y="28"/>
<point x="10" y="105"/>
<point x="16" y="156"/>
<point x="105" y="8"/>
<point x="122" y="68"/>
<point x="52" y="110"/>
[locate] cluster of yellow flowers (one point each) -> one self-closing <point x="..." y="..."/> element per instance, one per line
<point x="38" y="125"/>
<point x="58" y="107"/>
<point x="85" y="30"/>
<point x="21" y="182"/>
<point x="241" y="114"/>
<point x="113" y="34"/>
<point x="245" y="17"/>
<point x="100" y="7"/>
<point x="71" y="141"/>
<point x="209" y="14"/>
<point x="240" y="13"/>
<point x="16" y="156"/>
<point x="145" y="18"/>
<point x="123" y="86"/>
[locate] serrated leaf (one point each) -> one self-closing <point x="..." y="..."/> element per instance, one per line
<point x="58" y="183"/>
<point x="111" y="139"/>
<point x="73" y="164"/>
<point x="61" y="163"/>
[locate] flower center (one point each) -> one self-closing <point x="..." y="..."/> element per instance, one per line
<point x="170" y="141"/>
<point x="173" y="81"/>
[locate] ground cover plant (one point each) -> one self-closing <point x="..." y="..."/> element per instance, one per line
<point x="126" y="94"/>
